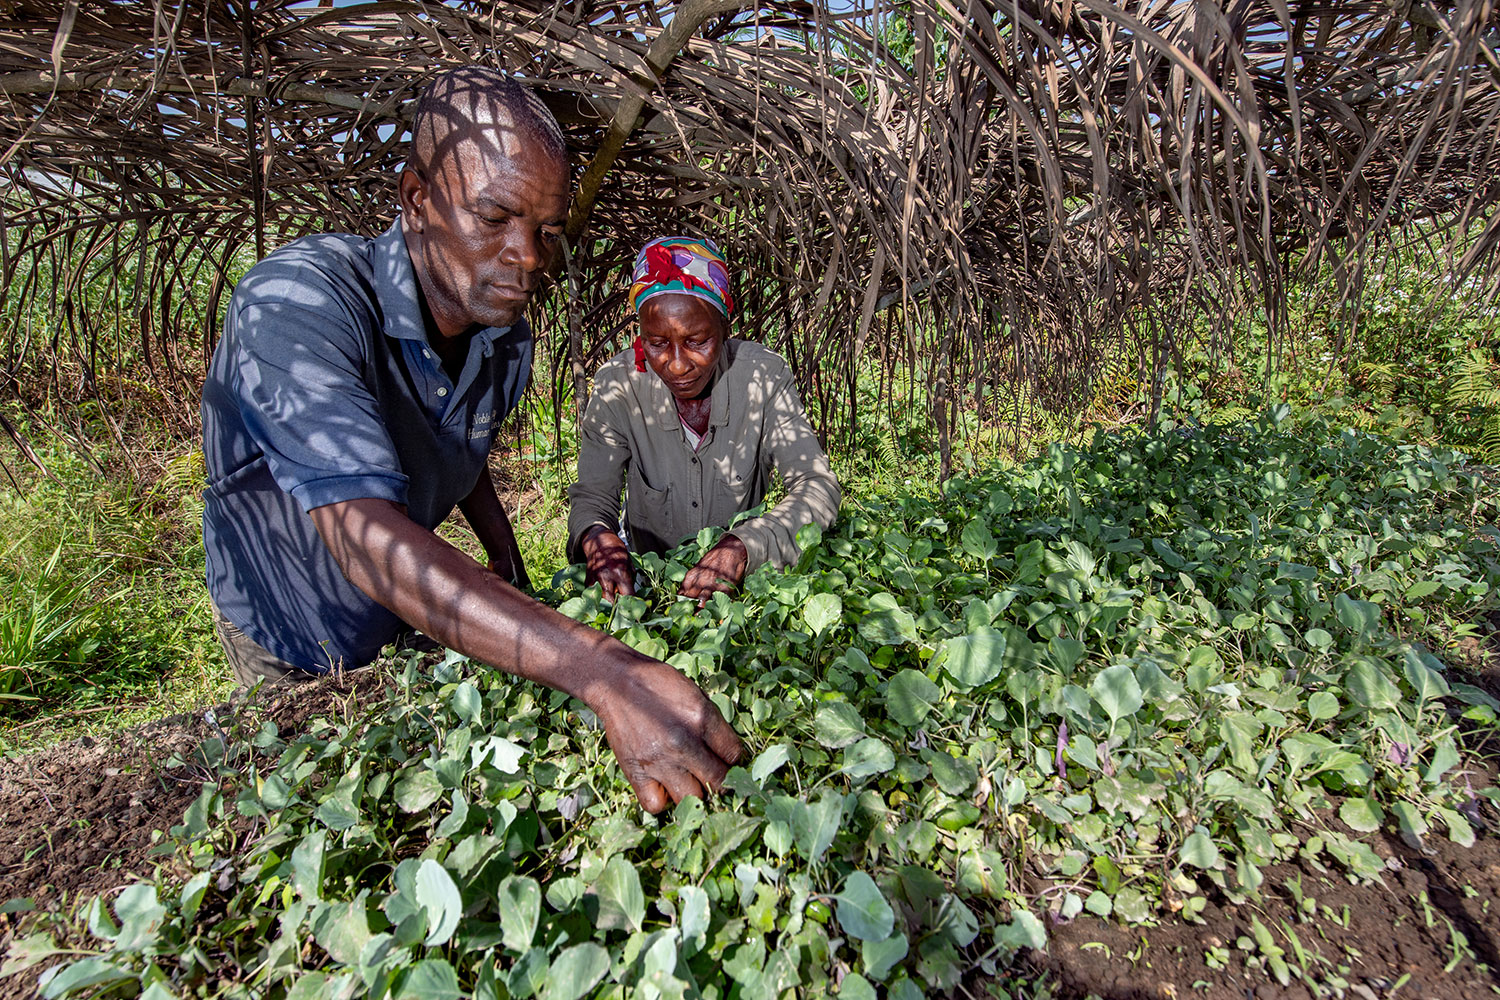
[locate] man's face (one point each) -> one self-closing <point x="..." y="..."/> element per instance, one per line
<point x="683" y="336"/>
<point x="482" y="226"/>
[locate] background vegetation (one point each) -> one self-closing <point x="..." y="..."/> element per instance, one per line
<point x="1155" y="343"/>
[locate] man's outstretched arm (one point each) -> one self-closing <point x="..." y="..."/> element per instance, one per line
<point x="670" y="740"/>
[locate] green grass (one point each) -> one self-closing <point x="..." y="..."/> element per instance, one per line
<point x="105" y="620"/>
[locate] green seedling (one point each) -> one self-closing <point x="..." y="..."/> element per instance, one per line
<point x="1161" y="672"/>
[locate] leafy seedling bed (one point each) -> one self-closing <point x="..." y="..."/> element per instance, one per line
<point x="1146" y="680"/>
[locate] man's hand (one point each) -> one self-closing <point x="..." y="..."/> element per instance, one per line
<point x="722" y="568"/>
<point x="670" y="740"/>
<point x="608" y="562"/>
<point x="512" y="570"/>
<point x="486" y="515"/>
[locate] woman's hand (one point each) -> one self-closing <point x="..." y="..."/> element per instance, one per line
<point x="608" y="562"/>
<point x="722" y="568"/>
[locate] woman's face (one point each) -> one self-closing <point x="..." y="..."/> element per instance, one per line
<point x="683" y="336"/>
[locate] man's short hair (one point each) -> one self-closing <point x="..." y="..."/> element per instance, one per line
<point x="471" y="95"/>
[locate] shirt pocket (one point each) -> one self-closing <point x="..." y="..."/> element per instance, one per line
<point x="729" y="497"/>
<point x="650" y="508"/>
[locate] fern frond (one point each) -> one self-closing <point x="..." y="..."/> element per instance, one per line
<point x="1474" y="382"/>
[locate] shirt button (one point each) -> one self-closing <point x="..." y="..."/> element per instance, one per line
<point x="426" y="353"/>
<point x="695" y="503"/>
<point x="695" y="460"/>
<point x="442" y="391"/>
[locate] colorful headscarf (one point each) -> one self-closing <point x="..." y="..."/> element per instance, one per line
<point x="681" y="264"/>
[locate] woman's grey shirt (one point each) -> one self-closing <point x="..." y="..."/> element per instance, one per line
<point x="631" y="436"/>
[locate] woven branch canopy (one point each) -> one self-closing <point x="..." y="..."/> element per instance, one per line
<point x="981" y="191"/>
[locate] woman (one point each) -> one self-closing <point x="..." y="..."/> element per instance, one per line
<point x="695" y="422"/>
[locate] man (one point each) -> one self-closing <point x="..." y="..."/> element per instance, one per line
<point x="351" y="404"/>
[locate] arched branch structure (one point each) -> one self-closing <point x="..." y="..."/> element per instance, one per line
<point x="958" y="193"/>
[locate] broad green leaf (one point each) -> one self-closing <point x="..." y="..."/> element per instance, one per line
<point x="1117" y="691"/>
<point x="1322" y="705"/>
<point x="622" y="905"/>
<point x="458" y="815"/>
<point x="1066" y="654"/>
<point x="430" y="979"/>
<point x="856" y="987"/>
<point x="868" y="757"/>
<point x="520" y="904"/>
<point x="529" y="974"/>
<point x="888" y="626"/>
<point x="337" y="815"/>
<point x="139" y="912"/>
<point x="1421" y="589"/>
<point x="838" y="724"/>
<point x="79" y="975"/>
<point x="1023" y="931"/>
<point x="1361" y="617"/>
<point x="693" y="918"/>
<point x="1459" y="830"/>
<point x="1317" y="638"/>
<point x="1444" y="757"/>
<point x="880" y="957"/>
<point x="725" y="831"/>
<point x="905" y="989"/>
<point x="418" y="790"/>
<point x="1368" y="684"/>
<point x="1409" y="820"/>
<point x="499" y="753"/>
<point x="1199" y="851"/>
<point x="311" y="986"/>
<point x="192" y="896"/>
<point x="1361" y="814"/>
<point x="982" y="873"/>
<point x="1156" y="686"/>
<point x="954" y="775"/>
<point x="977" y="540"/>
<point x="814" y="824"/>
<point x="575" y="971"/>
<point x="467" y="704"/>
<point x="1427" y="681"/>
<point x="862" y="910"/>
<point x="821" y="611"/>
<point x="910" y="696"/>
<point x="342" y="929"/>
<point x="660" y="964"/>
<point x="768" y="761"/>
<point x="307" y="864"/>
<point x="436" y="894"/>
<point x="974" y="659"/>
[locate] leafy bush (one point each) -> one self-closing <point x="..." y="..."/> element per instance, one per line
<point x="1121" y="678"/>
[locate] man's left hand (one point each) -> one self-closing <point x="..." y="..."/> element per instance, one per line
<point x="722" y="568"/>
<point x="511" y="568"/>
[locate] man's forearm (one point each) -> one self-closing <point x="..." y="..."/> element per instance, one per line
<point x="446" y="595"/>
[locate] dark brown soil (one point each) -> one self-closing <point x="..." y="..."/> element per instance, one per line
<point x="82" y="817"/>
<point x="1369" y="936"/>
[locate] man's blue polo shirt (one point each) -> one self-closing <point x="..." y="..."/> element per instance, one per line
<point x="323" y="389"/>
